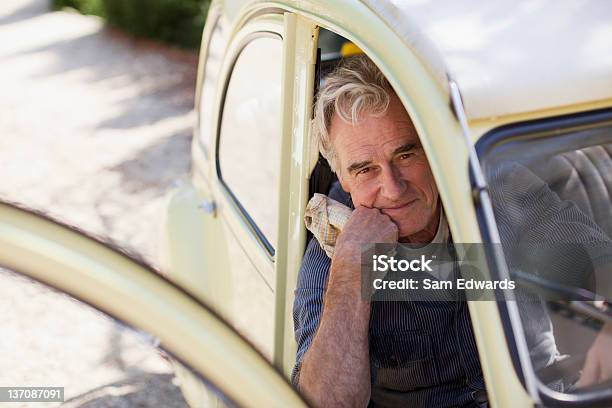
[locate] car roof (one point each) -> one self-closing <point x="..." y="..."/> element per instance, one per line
<point x="507" y="56"/>
<point x="510" y="56"/>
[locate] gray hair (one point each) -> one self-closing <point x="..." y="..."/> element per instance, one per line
<point x="354" y="88"/>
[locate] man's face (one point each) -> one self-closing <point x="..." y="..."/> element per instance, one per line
<point x="381" y="163"/>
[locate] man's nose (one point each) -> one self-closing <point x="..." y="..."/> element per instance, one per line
<point x="393" y="186"/>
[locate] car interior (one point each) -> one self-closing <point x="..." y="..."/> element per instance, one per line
<point x="576" y="166"/>
<point x="581" y="175"/>
<point x="331" y="49"/>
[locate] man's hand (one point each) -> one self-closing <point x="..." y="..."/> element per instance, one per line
<point x="366" y="226"/>
<point x="598" y="364"/>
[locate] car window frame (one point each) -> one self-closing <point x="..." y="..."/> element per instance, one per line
<point x="264" y="242"/>
<point x="45" y="225"/>
<point x="515" y="133"/>
<point x="215" y="19"/>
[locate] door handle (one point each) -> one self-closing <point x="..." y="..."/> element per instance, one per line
<point x="208" y="206"/>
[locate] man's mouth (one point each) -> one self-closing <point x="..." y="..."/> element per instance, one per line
<point x="391" y="211"/>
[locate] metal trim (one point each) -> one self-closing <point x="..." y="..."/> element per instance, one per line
<point x="482" y="194"/>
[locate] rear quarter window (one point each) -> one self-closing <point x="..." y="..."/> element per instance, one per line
<point x="250" y="134"/>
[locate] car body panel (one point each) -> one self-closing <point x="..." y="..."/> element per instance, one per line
<point x="300" y="58"/>
<point x="181" y="245"/>
<point x="133" y="293"/>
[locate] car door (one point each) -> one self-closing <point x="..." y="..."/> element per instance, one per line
<point x="232" y="232"/>
<point x="132" y="292"/>
<point x="245" y="179"/>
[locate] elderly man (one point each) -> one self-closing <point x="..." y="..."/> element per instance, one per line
<point x="352" y="352"/>
<point x="393" y="353"/>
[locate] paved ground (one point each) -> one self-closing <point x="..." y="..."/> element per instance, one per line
<point x="94" y="128"/>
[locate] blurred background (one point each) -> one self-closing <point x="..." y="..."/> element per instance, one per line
<point x="96" y="116"/>
<point x="174" y="21"/>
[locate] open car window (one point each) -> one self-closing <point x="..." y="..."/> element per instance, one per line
<point x="550" y="185"/>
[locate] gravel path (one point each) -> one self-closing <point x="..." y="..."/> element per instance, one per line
<point x="94" y="128"/>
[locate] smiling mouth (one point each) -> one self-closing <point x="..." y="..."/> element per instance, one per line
<point x="401" y="207"/>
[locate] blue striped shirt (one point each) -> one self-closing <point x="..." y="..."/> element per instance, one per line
<point x="422" y="354"/>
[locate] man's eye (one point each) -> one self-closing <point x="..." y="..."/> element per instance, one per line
<point x="405" y="156"/>
<point x="363" y="171"/>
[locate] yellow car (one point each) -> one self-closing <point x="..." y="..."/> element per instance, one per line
<point x="484" y="83"/>
<point x="488" y="86"/>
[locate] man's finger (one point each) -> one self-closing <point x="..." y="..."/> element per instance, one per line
<point x="590" y="372"/>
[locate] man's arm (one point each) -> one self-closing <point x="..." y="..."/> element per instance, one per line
<point x="336" y="369"/>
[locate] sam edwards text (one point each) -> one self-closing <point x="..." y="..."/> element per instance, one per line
<point x="461" y="284"/>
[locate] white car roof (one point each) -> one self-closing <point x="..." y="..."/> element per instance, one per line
<point x="510" y="56"/>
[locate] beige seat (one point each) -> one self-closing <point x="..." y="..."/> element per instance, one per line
<point x="585" y="177"/>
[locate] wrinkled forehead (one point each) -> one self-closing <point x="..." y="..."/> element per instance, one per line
<point x="373" y="134"/>
<point x="352" y="158"/>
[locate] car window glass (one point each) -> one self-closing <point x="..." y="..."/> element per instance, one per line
<point x="49" y="339"/>
<point x="551" y="198"/>
<point x="249" y="141"/>
<point x="214" y="54"/>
